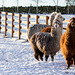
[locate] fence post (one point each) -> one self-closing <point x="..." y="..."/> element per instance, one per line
<point x="5" y="23"/>
<point x="20" y="25"/>
<point x="37" y="17"/>
<point x="28" y="22"/>
<point x="0" y="21"/>
<point x="12" y="25"/>
<point x="47" y="20"/>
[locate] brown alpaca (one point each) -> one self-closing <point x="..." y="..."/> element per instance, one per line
<point x="67" y="43"/>
<point x="46" y="30"/>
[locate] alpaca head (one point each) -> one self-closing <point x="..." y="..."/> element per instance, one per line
<point x="71" y="23"/>
<point x="59" y="17"/>
<point x="52" y="16"/>
<point x="56" y="30"/>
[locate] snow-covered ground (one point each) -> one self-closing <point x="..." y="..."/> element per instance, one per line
<point x="17" y="58"/>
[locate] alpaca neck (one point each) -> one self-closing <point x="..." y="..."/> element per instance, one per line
<point x="70" y="34"/>
<point x="56" y="21"/>
<point x="56" y="33"/>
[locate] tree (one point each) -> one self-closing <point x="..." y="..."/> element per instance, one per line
<point x="17" y="5"/>
<point x="68" y="4"/>
<point x="56" y="3"/>
<point x="72" y="2"/>
<point x="37" y="1"/>
<point x="3" y="4"/>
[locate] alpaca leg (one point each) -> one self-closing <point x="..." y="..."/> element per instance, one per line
<point x="52" y="56"/>
<point x="36" y="54"/>
<point x="41" y="55"/>
<point x="36" y="57"/>
<point x="74" y="60"/>
<point x="68" y="62"/>
<point x="46" y="57"/>
<point x="71" y="62"/>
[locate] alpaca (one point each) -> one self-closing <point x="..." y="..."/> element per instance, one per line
<point x="47" y="43"/>
<point x="38" y="27"/>
<point x="46" y="30"/>
<point x="60" y="19"/>
<point x="67" y="43"/>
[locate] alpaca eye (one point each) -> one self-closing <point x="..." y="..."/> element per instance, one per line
<point x="72" y="23"/>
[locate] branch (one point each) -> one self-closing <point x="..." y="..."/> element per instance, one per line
<point x="54" y="2"/>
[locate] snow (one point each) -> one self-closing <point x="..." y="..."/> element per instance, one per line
<point x="17" y="58"/>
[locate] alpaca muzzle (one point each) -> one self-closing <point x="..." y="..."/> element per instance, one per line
<point x="63" y="19"/>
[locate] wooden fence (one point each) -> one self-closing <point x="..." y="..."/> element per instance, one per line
<point x="27" y="21"/>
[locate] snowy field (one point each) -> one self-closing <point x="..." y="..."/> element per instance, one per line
<point x="16" y="58"/>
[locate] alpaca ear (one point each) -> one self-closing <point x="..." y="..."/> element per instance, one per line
<point x="70" y="25"/>
<point x="59" y="13"/>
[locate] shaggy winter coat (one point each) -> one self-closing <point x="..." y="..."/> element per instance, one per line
<point x="46" y="43"/>
<point x="67" y="43"/>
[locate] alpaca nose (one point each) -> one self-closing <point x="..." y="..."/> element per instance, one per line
<point x="55" y="25"/>
<point x="63" y="19"/>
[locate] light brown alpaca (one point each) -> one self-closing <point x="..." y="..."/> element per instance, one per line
<point x="67" y="43"/>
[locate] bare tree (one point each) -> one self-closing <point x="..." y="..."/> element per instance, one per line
<point x="68" y="4"/>
<point x="56" y="3"/>
<point x="3" y="4"/>
<point x="72" y="2"/>
<point x="17" y="5"/>
<point x="37" y="1"/>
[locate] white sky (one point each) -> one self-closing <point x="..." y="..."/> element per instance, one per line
<point x="9" y="3"/>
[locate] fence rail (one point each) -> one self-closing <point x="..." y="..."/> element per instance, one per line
<point x="27" y="20"/>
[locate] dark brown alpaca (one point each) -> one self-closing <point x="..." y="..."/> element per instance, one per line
<point x="67" y="43"/>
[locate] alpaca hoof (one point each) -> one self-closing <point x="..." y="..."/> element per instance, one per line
<point x="46" y="57"/>
<point x="36" y="57"/>
<point x="41" y="58"/>
<point x="52" y="60"/>
<point x="68" y="67"/>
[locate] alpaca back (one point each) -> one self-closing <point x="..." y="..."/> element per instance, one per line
<point x="46" y="30"/>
